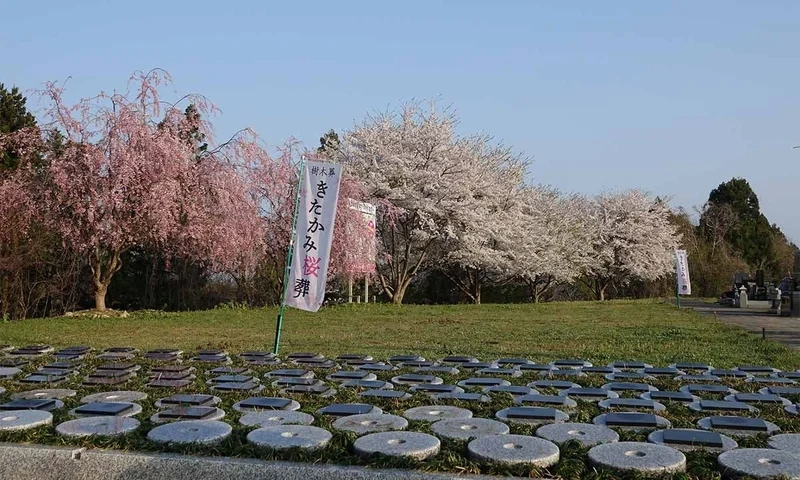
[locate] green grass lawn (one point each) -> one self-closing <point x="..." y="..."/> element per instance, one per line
<point x="653" y="332"/>
<point x="600" y="332"/>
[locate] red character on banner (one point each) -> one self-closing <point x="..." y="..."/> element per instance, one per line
<point x="311" y="266"/>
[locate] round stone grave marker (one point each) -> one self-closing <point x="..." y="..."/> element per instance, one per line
<point x="218" y="414"/>
<point x="191" y="431"/>
<point x="468" y="428"/>
<point x="292" y="406"/>
<point x="586" y="434"/>
<point x="513" y="450"/>
<point x="123" y="396"/>
<point x="8" y="372"/>
<point x="290" y="436"/>
<point x="274" y="418"/>
<point x="398" y="444"/>
<point x="640" y="457"/>
<point x="760" y="463"/>
<point x="135" y="409"/>
<point x="657" y="437"/>
<point x="789" y="442"/>
<point x="44" y="393"/>
<point x="744" y="431"/>
<point x="97" y="426"/>
<point x="370" y="423"/>
<point x="24" y="419"/>
<point x="434" y="413"/>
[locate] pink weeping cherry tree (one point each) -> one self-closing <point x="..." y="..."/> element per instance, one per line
<point x="129" y="175"/>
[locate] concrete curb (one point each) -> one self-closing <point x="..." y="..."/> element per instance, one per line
<point x="42" y="462"/>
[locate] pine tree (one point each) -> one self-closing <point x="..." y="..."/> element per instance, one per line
<point x="14" y="116"/>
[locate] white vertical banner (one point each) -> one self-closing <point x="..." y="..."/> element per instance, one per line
<point x="366" y="249"/>
<point x="316" y="214"/>
<point x="682" y="273"/>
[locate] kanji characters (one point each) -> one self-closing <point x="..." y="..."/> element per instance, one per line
<point x="314" y="225"/>
<point x="310" y="244"/>
<point x="311" y="266"/>
<point x="301" y="287"/>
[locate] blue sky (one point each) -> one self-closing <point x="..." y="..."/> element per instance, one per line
<point x="673" y="97"/>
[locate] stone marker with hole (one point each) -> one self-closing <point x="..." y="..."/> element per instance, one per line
<point x="24" y="419"/>
<point x="97" y="426"/>
<point x="370" y="423"/>
<point x="283" y="437"/>
<point x="760" y="463"/>
<point x="640" y="457"/>
<point x="689" y="440"/>
<point x="513" y="450"/>
<point x="191" y="431"/>
<point x="434" y="413"/>
<point x="531" y="415"/>
<point x="115" y="397"/>
<point x="584" y="433"/>
<point x="468" y="428"/>
<point x="789" y="442"/>
<point x="415" y="445"/>
<point x="274" y="418"/>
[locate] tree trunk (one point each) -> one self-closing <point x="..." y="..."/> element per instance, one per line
<point x="602" y="290"/>
<point x="100" y="297"/>
<point x="397" y="296"/>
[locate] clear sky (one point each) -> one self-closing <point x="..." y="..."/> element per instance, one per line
<point x="672" y="96"/>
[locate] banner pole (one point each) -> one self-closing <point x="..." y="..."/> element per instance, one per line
<point x="677" y="281"/>
<point x="289" y="256"/>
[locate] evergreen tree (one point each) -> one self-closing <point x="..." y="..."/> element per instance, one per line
<point x="14" y="116"/>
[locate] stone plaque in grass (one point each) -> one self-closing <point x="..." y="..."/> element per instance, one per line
<point x="536" y="399"/>
<point x="757" y="369"/>
<point x="624" y="376"/>
<point x="563" y="373"/>
<point x="36" y="378"/>
<point x="377" y="367"/>
<point x="170" y="351"/>
<point x="122" y="367"/>
<point x="700" y="389"/>
<point x="413" y="378"/>
<point x="631" y="404"/>
<point x="230" y="371"/>
<point x="435" y="389"/>
<point x="290" y="373"/>
<point x="315" y="362"/>
<point x="446" y="369"/>
<point x="211" y="359"/>
<point x="415" y="364"/>
<point x="297" y="355"/>
<point x="110" y="356"/>
<point x="162" y="357"/>
<point x="390" y="394"/>
<point x="785" y="391"/>
<point x="13" y="362"/>
<point x="463" y="397"/>
<point x="290" y="382"/>
<point x="32" y="350"/>
<point x="356" y="362"/>
<point x="119" y="350"/>
<point x="354" y="356"/>
<point x="69" y="356"/>
<point x="194" y="400"/>
<point x="10" y="372"/>
<point x="31" y="404"/>
<point x="662" y="371"/>
<point x="702" y="377"/>
<point x="531" y="415"/>
<point x="101" y="409"/>
<point x="627" y="419"/>
<point x="477" y="365"/>
<point x="557" y="384"/>
<point x="629" y="365"/>
<point x="628" y="387"/>
<point x="406" y="358"/>
<point x="720" y="405"/>
<point x="536" y="367"/>
<point x="172" y="376"/>
<point x="571" y="363"/>
<point x="164" y="383"/>
<point x="482" y="382"/>
<point x="514" y="390"/>
<point x="231" y="379"/>
<point x="187" y="413"/>
<point x="111" y="374"/>
<point x="666" y="396"/>
<point x="237" y="386"/>
<point x="789" y="375"/>
<point x="739" y="423"/>
<point x="262" y="362"/>
<point x="598" y="370"/>
<point x="261" y="355"/>
<point x="347" y="409"/>
<point x="265" y="403"/>
<point x="212" y="353"/>
<point x="596" y="393"/>
<point x="515" y="361"/>
<point x="771" y="380"/>
<point x="77" y="349"/>
<point x="758" y="398"/>
<point x="64" y="365"/>
<point x="694" y="366"/>
<point x="729" y="373"/>
<point x="346" y="375"/>
<point x="459" y="359"/>
<point x="316" y="389"/>
<point x="171" y="369"/>
<point x="368" y="384"/>
<point x="692" y="437"/>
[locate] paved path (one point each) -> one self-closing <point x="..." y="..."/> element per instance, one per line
<point x="785" y="330"/>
